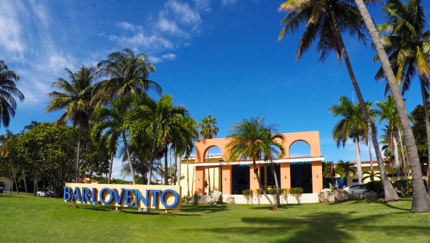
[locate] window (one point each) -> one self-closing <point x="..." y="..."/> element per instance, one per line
<point x="354" y="180"/>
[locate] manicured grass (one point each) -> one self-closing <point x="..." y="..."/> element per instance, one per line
<point x="32" y="219"/>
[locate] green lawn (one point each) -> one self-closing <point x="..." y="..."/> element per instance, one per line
<point x="32" y="219"/>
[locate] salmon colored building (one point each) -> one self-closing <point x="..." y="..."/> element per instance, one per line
<point x="232" y="177"/>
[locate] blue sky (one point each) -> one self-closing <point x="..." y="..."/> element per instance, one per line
<point x="217" y="57"/>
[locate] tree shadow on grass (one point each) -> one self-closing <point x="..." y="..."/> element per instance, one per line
<point x="321" y="227"/>
<point x="204" y="208"/>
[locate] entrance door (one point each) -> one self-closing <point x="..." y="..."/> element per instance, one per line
<point x="301" y="176"/>
<point x="240" y="179"/>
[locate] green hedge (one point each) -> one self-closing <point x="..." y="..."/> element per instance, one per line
<point x="297" y="193"/>
<point x="375" y="186"/>
<point x="404" y="186"/>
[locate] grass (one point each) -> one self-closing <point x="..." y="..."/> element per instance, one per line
<point x="33" y="219"/>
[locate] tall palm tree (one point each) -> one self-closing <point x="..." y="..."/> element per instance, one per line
<point x="114" y="123"/>
<point x="208" y="130"/>
<point x="352" y="125"/>
<point x="371" y="113"/>
<point x="387" y="111"/>
<point x="162" y="119"/>
<point x="246" y="142"/>
<point x="74" y="97"/>
<point x="408" y="45"/>
<point x="8" y="90"/>
<point x="270" y="149"/>
<point x="327" y="19"/>
<point x="127" y="74"/>
<point x="420" y="199"/>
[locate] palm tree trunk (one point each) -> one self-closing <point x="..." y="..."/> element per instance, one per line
<point x="275" y="208"/>
<point x="401" y="149"/>
<point x="110" y="168"/>
<point x="177" y="172"/>
<point x="77" y="156"/>
<point x="370" y="152"/>
<point x="129" y="158"/>
<point x="278" y="199"/>
<point x="396" y="156"/>
<point x="389" y="192"/>
<point x="426" y="117"/>
<point x="166" y="169"/>
<point x="357" y="155"/>
<point x="188" y="178"/>
<point x="16" y="184"/>
<point x="420" y="200"/>
<point x="25" y="182"/>
<point x="170" y="162"/>
<point x="209" y="177"/>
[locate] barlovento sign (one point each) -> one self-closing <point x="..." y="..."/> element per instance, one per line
<point x="119" y="195"/>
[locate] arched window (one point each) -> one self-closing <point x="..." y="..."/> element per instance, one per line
<point x="300" y="149"/>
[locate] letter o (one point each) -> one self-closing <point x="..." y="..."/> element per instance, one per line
<point x="164" y="194"/>
<point x="101" y="195"/>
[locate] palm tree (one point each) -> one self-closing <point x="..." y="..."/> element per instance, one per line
<point x="246" y="142"/>
<point x="387" y="111"/>
<point x="162" y="119"/>
<point x="420" y="201"/>
<point x="351" y="126"/>
<point x="271" y="147"/>
<point x="344" y="169"/>
<point x="8" y="90"/>
<point x="371" y="175"/>
<point x="127" y="74"/>
<point x="114" y="123"/>
<point x="208" y="130"/>
<point x="407" y="43"/>
<point x="371" y="113"/>
<point x="326" y="19"/>
<point x="75" y="99"/>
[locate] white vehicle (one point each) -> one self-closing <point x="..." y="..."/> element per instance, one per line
<point x="356" y="189"/>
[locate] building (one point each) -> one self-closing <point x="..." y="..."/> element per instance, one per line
<point x="232" y="177"/>
<point x="7" y="183"/>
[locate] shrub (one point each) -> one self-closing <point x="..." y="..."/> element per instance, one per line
<point x="259" y="195"/>
<point x="284" y="193"/>
<point x="297" y="193"/>
<point x="2" y="183"/>
<point x="272" y="191"/>
<point x="374" y="186"/>
<point x="404" y="186"/>
<point x="196" y="198"/>
<point x="246" y="195"/>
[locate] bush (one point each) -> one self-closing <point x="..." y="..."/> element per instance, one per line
<point x="259" y="195"/>
<point x="247" y="195"/>
<point x="272" y="191"/>
<point x="297" y="193"/>
<point x="404" y="186"/>
<point x="2" y="183"/>
<point x="284" y="194"/>
<point x="374" y="186"/>
<point x="196" y="198"/>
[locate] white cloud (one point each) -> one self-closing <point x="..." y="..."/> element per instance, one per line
<point x="168" y="26"/>
<point x="56" y="62"/>
<point x="203" y="5"/>
<point x="185" y="14"/>
<point x="154" y="59"/>
<point x="169" y="56"/>
<point x="10" y="27"/>
<point x="41" y="13"/>
<point x="229" y="2"/>
<point x="126" y="26"/>
<point x="140" y="39"/>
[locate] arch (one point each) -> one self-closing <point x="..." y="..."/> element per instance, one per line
<point x="311" y="138"/>
<point x="202" y="146"/>
<point x="300" y="141"/>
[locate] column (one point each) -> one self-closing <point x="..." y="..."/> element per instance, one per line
<point x="200" y="180"/>
<point x="253" y="182"/>
<point x="285" y="179"/>
<point x="226" y="179"/>
<point x="317" y="179"/>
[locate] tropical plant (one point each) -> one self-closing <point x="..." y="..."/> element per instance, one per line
<point x="351" y="126"/>
<point x="208" y="130"/>
<point x="407" y="43"/>
<point x="387" y="111"/>
<point x="272" y="143"/>
<point x="284" y="194"/>
<point x="8" y="153"/>
<point x="8" y="90"/>
<point x="344" y="169"/>
<point x="246" y="142"/>
<point x="371" y="175"/>
<point x="327" y="19"/>
<point x="163" y="120"/>
<point x="327" y="169"/>
<point x="114" y="123"/>
<point x="297" y="193"/>
<point x="74" y="97"/>
<point x="127" y="74"/>
<point x="420" y="201"/>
